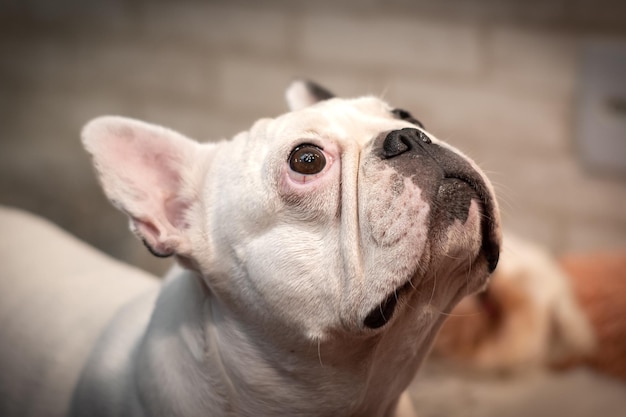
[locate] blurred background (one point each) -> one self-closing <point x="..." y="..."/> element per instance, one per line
<point x="530" y="89"/>
<point x="533" y="90"/>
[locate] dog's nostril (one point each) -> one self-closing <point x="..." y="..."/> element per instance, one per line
<point x="395" y="144"/>
<point x="398" y="142"/>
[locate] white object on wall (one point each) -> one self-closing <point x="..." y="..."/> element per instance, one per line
<point x="601" y="114"/>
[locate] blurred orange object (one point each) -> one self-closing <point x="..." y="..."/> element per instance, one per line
<point x="542" y="311"/>
<point x="599" y="284"/>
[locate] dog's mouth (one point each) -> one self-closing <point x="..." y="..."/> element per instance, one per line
<point x="381" y="314"/>
<point x="456" y="193"/>
<point x="451" y="185"/>
<point x="474" y="189"/>
<point x="453" y="181"/>
<point x="462" y="190"/>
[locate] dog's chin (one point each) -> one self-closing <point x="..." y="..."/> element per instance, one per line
<point x="471" y="224"/>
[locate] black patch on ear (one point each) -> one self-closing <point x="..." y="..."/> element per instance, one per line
<point x="154" y="252"/>
<point x="317" y="91"/>
<point x="405" y="115"/>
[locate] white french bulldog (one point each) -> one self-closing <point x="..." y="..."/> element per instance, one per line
<point x="319" y="253"/>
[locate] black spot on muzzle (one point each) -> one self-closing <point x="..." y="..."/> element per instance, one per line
<point x="446" y="179"/>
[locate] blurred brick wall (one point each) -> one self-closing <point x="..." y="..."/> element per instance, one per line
<point x="498" y="78"/>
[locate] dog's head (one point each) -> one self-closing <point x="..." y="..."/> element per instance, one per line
<point x="341" y="215"/>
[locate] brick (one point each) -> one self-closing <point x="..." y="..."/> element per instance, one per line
<point x="342" y="83"/>
<point x="113" y="12"/>
<point x="475" y="116"/>
<point x="58" y="185"/>
<point x="534" y="226"/>
<point x="538" y="60"/>
<point x="254" y="86"/>
<point x="141" y="69"/>
<point x="606" y="14"/>
<point x="594" y="235"/>
<point x="258" y="30"/>
<point x="379" y="42"/>
<point x="559" y="185"/>
<point x="27" y="63"/>
<point x="129" y="66"/>
<point x="491" y="10"/>
<point x="53" y="121"/>
<point x="257" y="86"/>
<point x="193" y="121"/>
<point x="306" y="6"/>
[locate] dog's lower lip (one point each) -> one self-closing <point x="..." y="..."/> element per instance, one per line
<point x="490" y="245"/>
<point x="381" y="314"/>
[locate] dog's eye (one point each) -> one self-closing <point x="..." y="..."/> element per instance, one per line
<point x="307" y="160"/>
<point x="405" y="115"/>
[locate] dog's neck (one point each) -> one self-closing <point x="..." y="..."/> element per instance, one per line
<point x="216" y="362"/>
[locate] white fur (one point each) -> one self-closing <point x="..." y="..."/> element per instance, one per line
<point x="266" y="318"/>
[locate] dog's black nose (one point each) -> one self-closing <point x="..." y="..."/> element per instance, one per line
<point x="400" y="141"/>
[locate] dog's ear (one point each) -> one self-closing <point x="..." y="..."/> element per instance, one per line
<point x="150" y="173"/>
<point x="302" y="93"/>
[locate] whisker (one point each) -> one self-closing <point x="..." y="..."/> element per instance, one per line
<point x="485" y="216"/>
<point x="457" y="315"/>
<point x="501" y="186"/>
<point x="384" y="93"/>
<point x="319" y="351"/>
<point x="467" y="276"/>
<point x="432" y="294"/>
<point x="411" y="284"/>
<point x="447" y="255"/>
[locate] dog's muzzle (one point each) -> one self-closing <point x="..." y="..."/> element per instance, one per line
<point x="440" y="172"/>
<point x="449" y="183"/>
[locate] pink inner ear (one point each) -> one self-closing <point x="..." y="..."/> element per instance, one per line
<point x="146" y="162"/>
<point x="175" y="209"/>
<point x="152" y="238"/>
<point x="144" y="169"/>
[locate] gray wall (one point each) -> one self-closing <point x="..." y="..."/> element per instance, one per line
<point x="498" y="78"/>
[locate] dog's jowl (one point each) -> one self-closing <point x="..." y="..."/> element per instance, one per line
<point x="317" y="254"/>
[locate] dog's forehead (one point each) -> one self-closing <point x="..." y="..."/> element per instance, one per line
<point x="366" y="105"/>
<point x="360" y="110"/>
<point x="338" y="118"/>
